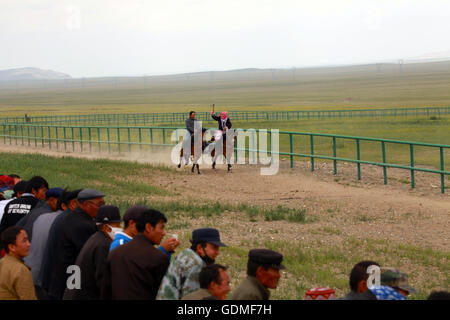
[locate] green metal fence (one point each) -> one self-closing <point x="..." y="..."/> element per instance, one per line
<point x="107" y="139"/>
<point x="179" y="117"/>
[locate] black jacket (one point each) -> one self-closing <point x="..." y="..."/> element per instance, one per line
<point x="16" y="210"/>
<point x="28" y="221"/>
<point x="227" y="123"/>
<point x="92" y="261"/>
<point x="134" y="271"/>
<point x="75" y="230"/>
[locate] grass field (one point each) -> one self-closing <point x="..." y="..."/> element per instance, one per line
<point x="377" y="86"/>
<point x="311" y="262"/>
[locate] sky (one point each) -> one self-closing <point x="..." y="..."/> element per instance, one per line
<point x="94" y="38"/>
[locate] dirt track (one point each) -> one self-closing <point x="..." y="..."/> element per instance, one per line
<point x="366" y="209"/>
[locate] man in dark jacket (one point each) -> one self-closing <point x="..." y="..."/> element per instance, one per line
<point x="92" y="258"/>
<point x="18" y="208"/>
<point x="54" y="239"/>
<point x="43" y="206"/>
<point x="76" y="229"/>
<point x="134" y="270"/>
<point x="358" y="282"/>
<point x="263" y="273"/>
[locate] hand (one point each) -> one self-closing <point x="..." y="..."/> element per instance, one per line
<point x="212" y="112"/>
<point x="170" y="244"/>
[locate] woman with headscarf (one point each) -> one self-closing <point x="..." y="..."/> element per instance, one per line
<point x="224" y="122"/>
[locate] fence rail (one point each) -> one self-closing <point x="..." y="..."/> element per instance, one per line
<point x="179" y="117"/>
<point x="109" y="139"/>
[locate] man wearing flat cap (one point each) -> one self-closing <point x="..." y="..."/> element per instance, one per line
<point x="75" y="230"/>
<point x="182" y="277"/>
<point x="92" y="258"/>
<point x="397" y="280"/>
<point x="263" y="273"/>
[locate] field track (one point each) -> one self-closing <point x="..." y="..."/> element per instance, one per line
<point x="362" y="209"/>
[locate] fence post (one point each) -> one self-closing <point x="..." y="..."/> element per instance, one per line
<point x="65" y="137"/>
<point x="118" y="139"/>
<point x="164" y="136"/>
<point x="129" y="140"/>
<point x="56" y="136"/>
<point x="291" y="150"/>
<point x="334" y="155"/>
<point x="312" y="151"/>
<point x="73" y="140"/>
<point x="98" y="139"/>
<point x="383" y="151"/>
<point x="81" y="139"/>
<point x="90" y="139"/>
<point x="358" y="157"/>
<point x="108" y="138"/>
<point x="21" y="131"/>
<point x="28" y="131"/>
<point x="411" y="151"/>
<point x="442" y="169"/>
<point x="42" y="135"/>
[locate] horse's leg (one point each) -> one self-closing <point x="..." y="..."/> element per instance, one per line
<point x="181" y="157"/>
<point x="198" y="169"/>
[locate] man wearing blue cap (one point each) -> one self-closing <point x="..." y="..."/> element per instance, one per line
<point x="182" y="277"/>
<point x="43" y="206"/>
<point x="92" y="258"/>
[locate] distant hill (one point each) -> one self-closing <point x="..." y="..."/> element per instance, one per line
<point x="31" y="74"/>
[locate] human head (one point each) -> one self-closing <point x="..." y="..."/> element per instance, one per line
<point x="6" y="183"/>
<point x="15" y="242"/>
<point x="397" y="280"/>
<point x="16" y="178"/>
<point x="37" y="186"/>
<point x="359" y="276"/>
<point x="206" y="243"/>
<point x="215" y="279"/>
<point x="19" y="188"/>
<point x="439" y="295"/>
<point x="72" y="199"/>
<point x="223" y="115"/>
<point x="192" y="115"/>
<point x="265" y="265"/>
<point x="130" y="218"/>
<point x="108" y="220"/>
<point x="90" y="200"/>
<point x="151" y="223"/>
<point x="51" y="197"/>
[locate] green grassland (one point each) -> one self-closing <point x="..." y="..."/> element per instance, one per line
<point x="374" y="86"/>
<point x="309" y="264"/>
<point x="415" y="129"/>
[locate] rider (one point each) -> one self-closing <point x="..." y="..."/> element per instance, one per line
<point x="190" y="125"/>
<point x="224" y="125"/>
<point x="224" y="122"/>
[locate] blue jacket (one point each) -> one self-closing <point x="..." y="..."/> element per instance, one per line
<point x="122" y="238"/>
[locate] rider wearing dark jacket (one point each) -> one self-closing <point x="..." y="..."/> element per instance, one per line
<point x="223" y="120"/>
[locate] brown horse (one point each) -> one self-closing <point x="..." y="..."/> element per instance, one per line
<point x="194" y="156"/>
<point x="227" y="156"/>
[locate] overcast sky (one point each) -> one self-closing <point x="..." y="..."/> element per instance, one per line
<point x="87" y="38"/>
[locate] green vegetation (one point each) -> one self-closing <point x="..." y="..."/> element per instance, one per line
<point x="424" y="84"/>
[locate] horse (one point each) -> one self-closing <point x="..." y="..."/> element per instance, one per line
<point x="224" y="150"/>
<point x="194" y="156"/>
